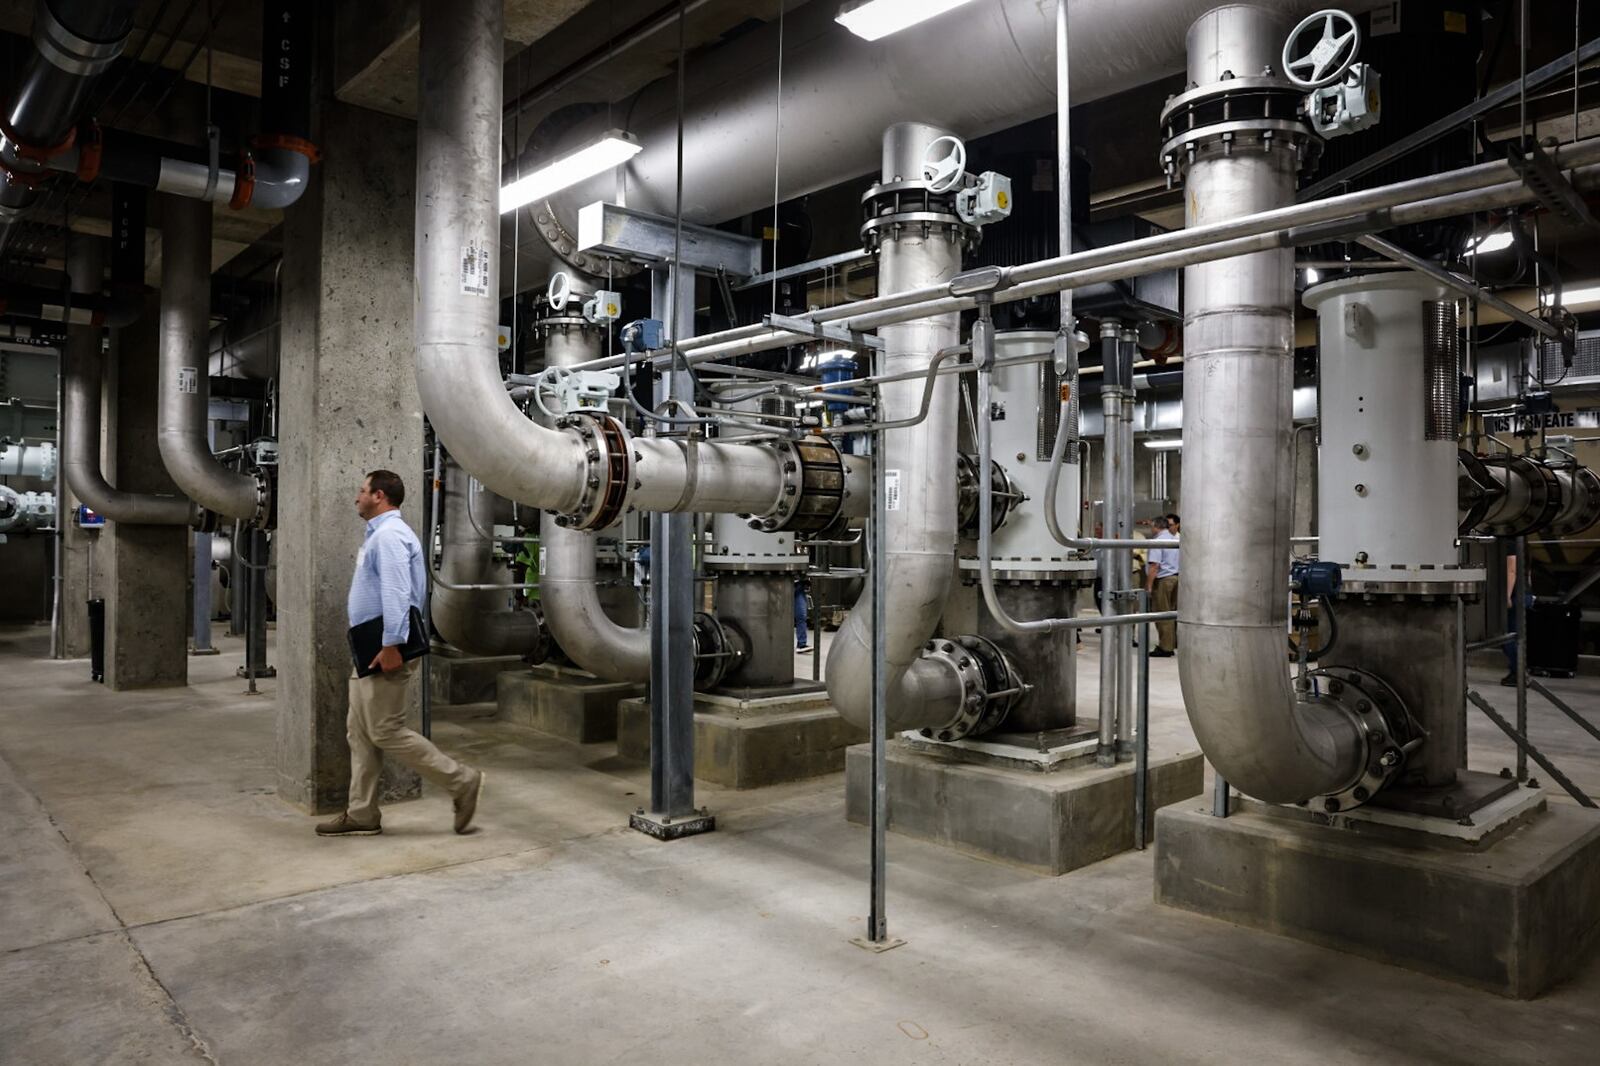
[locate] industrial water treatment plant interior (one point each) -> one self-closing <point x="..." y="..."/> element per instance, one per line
<point x="697" y="531"/>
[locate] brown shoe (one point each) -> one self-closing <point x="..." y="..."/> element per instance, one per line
<point x="467" y="803"/>
<point x="345" y="826"/>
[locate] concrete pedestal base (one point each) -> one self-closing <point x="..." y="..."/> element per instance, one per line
<point x="750" y="743"/>
<point x="1050" y="822"/>
<point x="1511" y="914"/>
<point x="566" y="703"/>
<point x="456" y="678"/>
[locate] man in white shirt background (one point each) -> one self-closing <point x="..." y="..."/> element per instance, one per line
<point x="1161" y="582"/>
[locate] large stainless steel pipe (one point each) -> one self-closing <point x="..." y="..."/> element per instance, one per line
<point x="920" y="461"/>
<point x="479" y="621"/>
<point x="457" y="308"/>
<point x="183" y="393"/>
<point x="569" y="584"/>
<point x="1238" y="374"/>
<point x="83" y="368"/>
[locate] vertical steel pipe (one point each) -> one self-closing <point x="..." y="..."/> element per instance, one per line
<point x="1238" y="337"/>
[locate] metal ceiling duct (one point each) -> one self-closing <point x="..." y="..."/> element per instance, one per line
<point x="981" y="68"/>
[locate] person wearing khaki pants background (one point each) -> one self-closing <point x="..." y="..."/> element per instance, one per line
<point x="1161" y="582"/>
<point x="389" y="581"/>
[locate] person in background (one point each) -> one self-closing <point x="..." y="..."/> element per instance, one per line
<point x="1512" y="591"/>
<point x="390" y="582"/>
<point x="1161" y="582"/>
<point x="801" y="647"/>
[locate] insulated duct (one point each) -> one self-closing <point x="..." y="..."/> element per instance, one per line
<point x="569" y="584"/>
<point x="83" y="368"/>
<point x="920" y="463"/>
<point x="183" y="393"/>
<point x="979" y="69"/>
<point x="592" y="469"/>
<point x="1238" y="337"/>
<point x="478" y="621"/>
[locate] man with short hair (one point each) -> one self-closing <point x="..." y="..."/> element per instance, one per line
<point x="390" y="582"/>
<point x="1161" y="582"/>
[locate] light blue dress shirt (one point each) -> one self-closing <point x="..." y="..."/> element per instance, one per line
<point x="389" y="578"/>
<point x="1165" y="559"/>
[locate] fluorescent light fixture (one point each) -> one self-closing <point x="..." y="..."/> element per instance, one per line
<point x="1313" y="275"/>
<point x="872" y="19"/>
<point x="1169" y="445"/>
<point x="611" y="150"/>
<point x="1572" y="298"/>
<point x="1499" y="240"/>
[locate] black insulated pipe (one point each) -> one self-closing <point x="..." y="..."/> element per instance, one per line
<point x="74" y="42"/>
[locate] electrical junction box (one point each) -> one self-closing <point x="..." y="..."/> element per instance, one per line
<point x="1350" y="104"/>
<point x="604" y="306"/>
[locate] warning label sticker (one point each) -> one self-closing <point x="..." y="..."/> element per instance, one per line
<point x="188" y="379"/>
<point x="891" y="490"/>
<point x="475" y="267"/>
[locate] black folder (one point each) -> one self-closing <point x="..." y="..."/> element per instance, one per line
<point x="366" y="641"/>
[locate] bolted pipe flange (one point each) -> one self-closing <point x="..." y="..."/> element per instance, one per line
<point x="719" y="650"/>
<point x="892" y="209"/>
<point x="812" y="493"/>
<point x="1005" y="495"/>
<point x="1254" y="114"/>
<point x="990" y="685"/>
<point x="608" y="470"/>
<point x="1387" y="729"/>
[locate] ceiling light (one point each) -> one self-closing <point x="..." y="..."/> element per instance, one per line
<point x="1313" y="275"/>
<point x="611" y="150"/>
<point x="1491" y="242"/>
<point x="1572" y="298"/>
<point x="873" y="19"/>
<point x="1170" y="445"/>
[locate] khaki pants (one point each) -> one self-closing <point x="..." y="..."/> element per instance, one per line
<point x="1165" y="598"/>
<point x="377" y="724"/>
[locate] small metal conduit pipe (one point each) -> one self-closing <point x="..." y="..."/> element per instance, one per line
<point x="183" y="394"/>
<point x="83" y="367"/>
<point x="74" y="42"/>
<point x="1238" y="340"/>
<point x="480" y="621"/>
<point x="458" y="289"/>
<point x="569" y="585"/>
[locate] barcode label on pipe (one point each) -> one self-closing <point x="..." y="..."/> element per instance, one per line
<point x="891" y="490"/>
<point x="188" y="379"/>
<point x="475" y="268"/>
<point x="541" y="561"/>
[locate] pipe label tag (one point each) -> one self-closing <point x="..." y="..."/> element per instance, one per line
<point x="475" y="268"/>
<point x="188" y="379"/>
<point x="891" y="490"/>
<point x="541" y="560"/>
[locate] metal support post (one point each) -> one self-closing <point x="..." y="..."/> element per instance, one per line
<point x="1221" y="800"/>
<point x="1141" y="740"/>
<point x="1519" y="604"/>
<point x="672" y="812"/>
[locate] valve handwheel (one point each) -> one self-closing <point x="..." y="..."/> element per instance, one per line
<point x="943" y="172"/>
<point x="1330" y="57"/>
<point x="559" y="291"/>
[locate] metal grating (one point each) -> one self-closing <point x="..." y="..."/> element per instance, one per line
<point x="1585" y="362"/>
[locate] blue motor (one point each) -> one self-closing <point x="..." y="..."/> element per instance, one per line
<point x="1312" y="578"/>
<point x="834" y="370"/>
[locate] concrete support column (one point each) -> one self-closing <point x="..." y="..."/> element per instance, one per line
<point x="348" y="404"/>
<point x="147" y="575"/>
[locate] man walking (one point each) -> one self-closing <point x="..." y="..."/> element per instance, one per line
<point x="1161" y="582"/>
<point x="389" y="583"/>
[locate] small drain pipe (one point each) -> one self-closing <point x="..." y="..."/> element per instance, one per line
<point x="83" y="368"/>
<point x="184" y="390"/>
<point x="480" y="621"/>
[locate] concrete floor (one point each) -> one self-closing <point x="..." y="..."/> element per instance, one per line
<point x="160" y="904"/>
